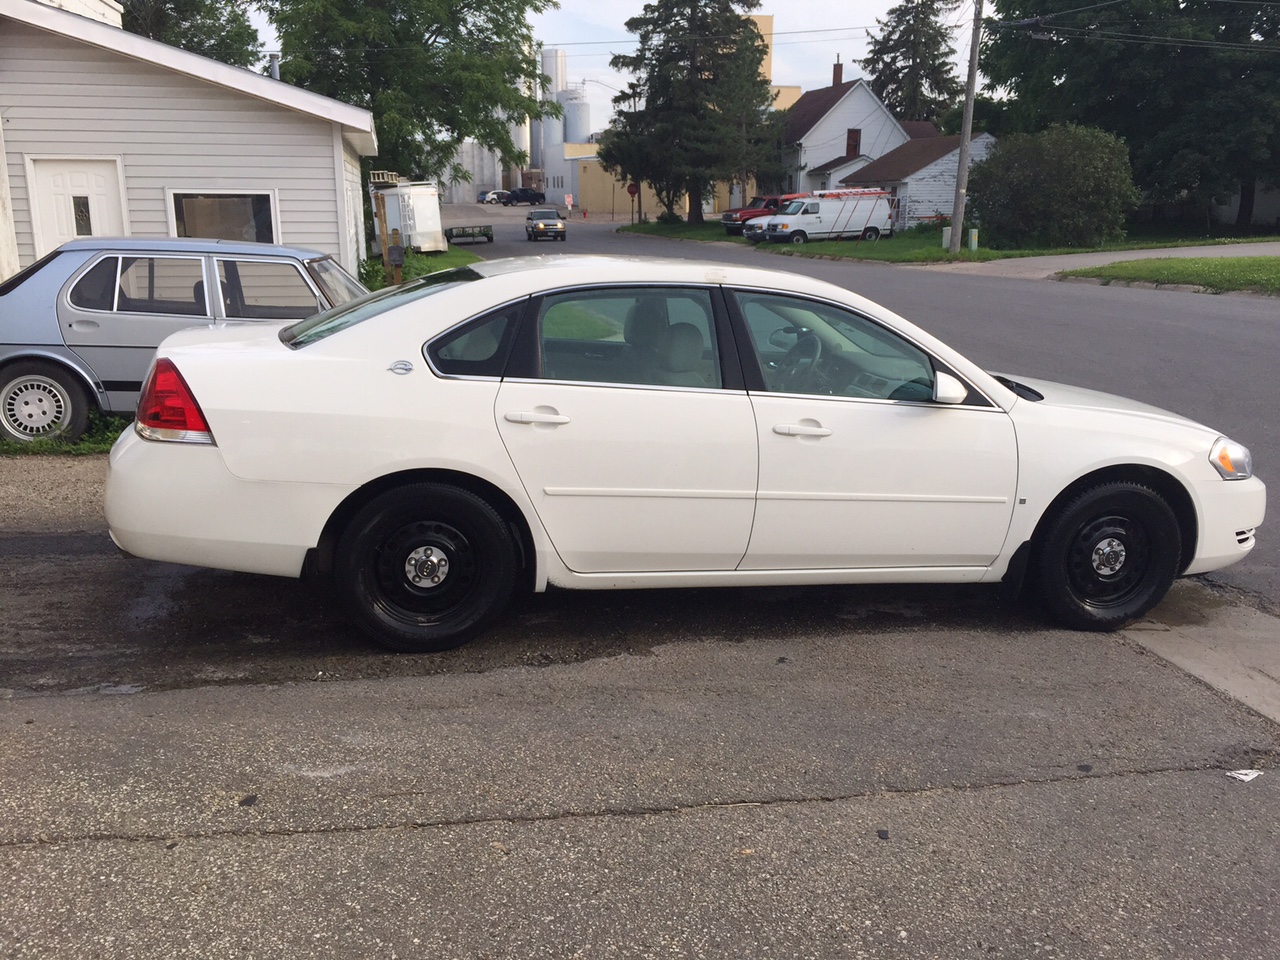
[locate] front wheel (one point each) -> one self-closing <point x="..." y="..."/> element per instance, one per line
<point x="1108" y="556"/>
<point x="426" y="567"/>
<point x="41" y="401"/>
<point x="798" y="237"/>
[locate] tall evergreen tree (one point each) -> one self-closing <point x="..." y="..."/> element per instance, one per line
<point x="432" y="72"/>
<point x="696" y="111"/>
<point x="219" y="29"/>
<point x="910" y="61"/>
<point x="1192" y="86"/>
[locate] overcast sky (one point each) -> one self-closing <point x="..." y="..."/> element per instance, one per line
<point x="808" y="36"/>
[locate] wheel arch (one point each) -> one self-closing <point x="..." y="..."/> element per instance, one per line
<point x="1168" y="486"/>
<point x="87" y="382"/>
<point x="320" y="557"/>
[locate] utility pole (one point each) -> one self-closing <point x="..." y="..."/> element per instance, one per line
<point x="966" y="131"/>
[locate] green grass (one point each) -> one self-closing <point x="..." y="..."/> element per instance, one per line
<point x="1218" y="274"/>
<point x="922" y="245"/>
<point x="101" y="434"/>
<point x="417" y="265"/>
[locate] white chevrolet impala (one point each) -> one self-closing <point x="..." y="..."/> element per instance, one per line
<point x="601" y="423"/>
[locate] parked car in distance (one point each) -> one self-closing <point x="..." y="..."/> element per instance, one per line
<point x="836" y="215"/>
<point x="78" y="327"/>
<point x="524" y="195"/>
<point x="495" y="196"/>
<point x="733" y="220"/>
<point x="606" y="423"/>
<point x="482" y="196"/>
<point x="544" y="223"/>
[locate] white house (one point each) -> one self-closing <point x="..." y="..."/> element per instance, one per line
<point x="921" y="174"/>
<point x="108" y="133"/>
<point x="833" y="131"/>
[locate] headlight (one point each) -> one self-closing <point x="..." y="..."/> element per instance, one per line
<point x="1232" y="460"/>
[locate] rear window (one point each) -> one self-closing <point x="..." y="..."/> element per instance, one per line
<point x="27" y="273"/>
<point x="332" y="321"/>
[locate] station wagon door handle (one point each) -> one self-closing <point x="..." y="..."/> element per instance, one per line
<point x="534" y="417"/>
<point x="801" y="430"/>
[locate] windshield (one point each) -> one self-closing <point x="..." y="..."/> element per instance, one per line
<point x="756" y="203"/>
<point x="795" y="206"/>
<point x="370" y="305"/>
<point x="544" y="215"/>
<point x="336" y="284"/>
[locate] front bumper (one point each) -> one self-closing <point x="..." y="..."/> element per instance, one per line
<point x="1230" y="513"/>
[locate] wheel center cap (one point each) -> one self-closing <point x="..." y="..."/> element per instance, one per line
<point x="426" y="567"/>
<point x="1108" y="557"/>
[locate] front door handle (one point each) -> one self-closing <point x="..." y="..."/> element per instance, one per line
<point x="534" y="416"/>
<point x="801" y="430"/>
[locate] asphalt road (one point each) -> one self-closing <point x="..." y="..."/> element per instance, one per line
<point x="200" y="764"/>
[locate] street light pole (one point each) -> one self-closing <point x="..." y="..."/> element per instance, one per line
<point x="966" y="131"/>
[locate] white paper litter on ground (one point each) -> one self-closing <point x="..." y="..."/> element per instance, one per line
<point x="1244" y="775"/>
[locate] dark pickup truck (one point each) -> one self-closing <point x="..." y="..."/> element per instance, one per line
<point x="524" y="195"/>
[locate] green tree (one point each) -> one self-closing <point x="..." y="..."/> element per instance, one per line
<point x="1193" y="86"/>
<point x="432" y="72"/>
<point x="697" y="111"/>
<point x="1067" y="186"/>
<point x="910" y="62"/>
<point x="214" y="28"/>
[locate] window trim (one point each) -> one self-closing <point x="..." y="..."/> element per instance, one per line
<point x="219" y="302"/>
<point x="119" y="257"/>
<point x="171" y="212"/>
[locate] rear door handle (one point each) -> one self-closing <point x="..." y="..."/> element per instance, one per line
<point x="801" y="430"/>
<point x="534" y="417"/>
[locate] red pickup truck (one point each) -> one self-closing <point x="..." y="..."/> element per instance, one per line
<point x="758" y="207"/>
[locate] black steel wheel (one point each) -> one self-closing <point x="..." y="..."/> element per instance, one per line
<point x="426" y="567"/>
<point x="1108" y="556"/>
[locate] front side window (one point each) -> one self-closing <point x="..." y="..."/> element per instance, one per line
<point x="662" y="337"/>
<point x="224" y="216"/>
<point x="265" y="290"/>
<point x="172" y="285"/>
<point x="816" y="348"/>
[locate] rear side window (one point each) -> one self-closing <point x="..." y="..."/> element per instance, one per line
<point x="171" y="285"/>
<point x="479" y="348"/>
<point x="96" y="290"/>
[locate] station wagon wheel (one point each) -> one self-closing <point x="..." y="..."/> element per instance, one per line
<point x="1109" y="556"/>
<point x="426" y="567"/>
<point x="40" y="401"/>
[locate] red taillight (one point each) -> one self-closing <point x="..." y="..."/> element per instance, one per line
<point x="168" y="410"/>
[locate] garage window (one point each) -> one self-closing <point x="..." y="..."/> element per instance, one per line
<point x="224" y="216"/>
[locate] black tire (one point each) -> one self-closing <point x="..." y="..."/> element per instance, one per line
<point x="426" y="567"/>
<point x="871" y="233"/>
<point x="41" y="401"/>
<point x="564" y="236"/>
<point x="1108" y="556"/>
<point x="798" y="237"/>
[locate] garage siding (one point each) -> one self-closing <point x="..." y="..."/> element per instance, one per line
<point x="65" y="99"/>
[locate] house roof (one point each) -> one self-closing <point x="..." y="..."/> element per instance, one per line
<point x="917" y="129"/>
<point x="812" y="107"/>
<point x="901" y="162"/>
<point x="357" y="123"/>
<point x="837" y="162"/>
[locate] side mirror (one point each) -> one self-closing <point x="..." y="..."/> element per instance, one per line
<point x="947" y="389"/>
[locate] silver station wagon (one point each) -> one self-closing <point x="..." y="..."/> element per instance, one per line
<point x="78" y="327"/>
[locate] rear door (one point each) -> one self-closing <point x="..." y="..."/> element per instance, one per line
<point x="115" y="313"/>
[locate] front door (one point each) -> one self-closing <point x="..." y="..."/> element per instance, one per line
<point x="75" y="198"/>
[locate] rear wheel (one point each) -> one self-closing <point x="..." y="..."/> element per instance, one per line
<point x="41" y="401"/>
<point x="1109" y="556"/>
<point x="426" y="567"/>
<point x="871" y="233"/>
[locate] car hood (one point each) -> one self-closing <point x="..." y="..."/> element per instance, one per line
<point x="1080" y="398"/>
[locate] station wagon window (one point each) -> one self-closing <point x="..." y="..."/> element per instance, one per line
<point x="662" y="337"/>
<point x="265" y="290"/>
<point x="224" y="216"/>
<point x="808" y="347"/>
<point x="169" y="285"/>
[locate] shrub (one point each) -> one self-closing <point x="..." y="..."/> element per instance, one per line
<point x="1068" y="186"/>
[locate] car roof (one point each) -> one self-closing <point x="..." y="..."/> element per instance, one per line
<point x="191" y="245"/>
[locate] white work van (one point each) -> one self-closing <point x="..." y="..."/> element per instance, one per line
<point x="834" y="215"/>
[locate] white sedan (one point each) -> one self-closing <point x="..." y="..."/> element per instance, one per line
<point x="602" y="423"/>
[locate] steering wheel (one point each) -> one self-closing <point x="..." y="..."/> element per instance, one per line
<point x="797" y="366"/>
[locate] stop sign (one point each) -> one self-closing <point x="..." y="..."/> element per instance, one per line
<point x="632" y="189"/>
